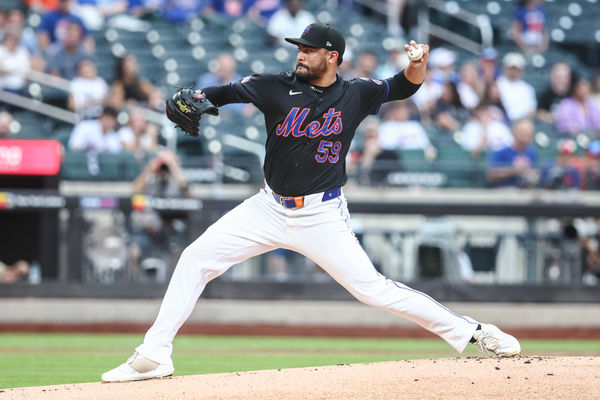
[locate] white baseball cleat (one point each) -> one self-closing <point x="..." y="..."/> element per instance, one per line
<point x="491" y="339"/>
<point x="138" y="368"/>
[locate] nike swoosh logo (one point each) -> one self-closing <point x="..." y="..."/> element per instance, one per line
<point x="293" y="93"/>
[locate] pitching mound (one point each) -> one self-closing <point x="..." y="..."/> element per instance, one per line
<point x="458" y="378"/>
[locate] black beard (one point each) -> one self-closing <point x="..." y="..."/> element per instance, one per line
<point x="309" y="74"/>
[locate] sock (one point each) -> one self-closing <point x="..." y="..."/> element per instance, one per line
<point x="478" y="329"/>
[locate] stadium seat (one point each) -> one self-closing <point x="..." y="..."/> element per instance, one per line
<point x="33" y="125"/>
<point x="75" y="167"/>
<point x="118" y="166"/>
<point x="546" y="154"/>
<point x="63" y="135"/>
<point x="457" y="164"/>
<point x="414" y="160"/>
<point x="189" y="145"/>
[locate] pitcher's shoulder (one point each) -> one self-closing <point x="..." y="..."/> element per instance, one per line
<point x="364" y="81"/>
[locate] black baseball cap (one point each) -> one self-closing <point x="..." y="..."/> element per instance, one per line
<point x="323" y="36"/>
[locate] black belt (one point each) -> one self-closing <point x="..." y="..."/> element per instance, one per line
<point x="298" y="201"/>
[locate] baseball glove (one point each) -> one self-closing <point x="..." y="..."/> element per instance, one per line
<point x="186" y="107"/>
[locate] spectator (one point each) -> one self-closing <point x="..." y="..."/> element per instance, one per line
<point x="448" y="112"/>
<point x="28" y="38"/>
<point x="95" y="12"/>
<point x="230" y="8"/>
<point x="470" y="88"/>
<point x="596" y="90"/>
<point x="427" y="95"/>
<point x="488" y="69"/>
<point x="396" y="62"/>
<point x="398" y="131"/>
<point x="589" y="167"/>
<point x="88" y="91"/>
<point x="442" y="62"/>
<point x="3" y="20"/>
<point x="54" y="25"/>
<point x="560" y="83"/>
<point x="529" y="29"/>
<point x="578" y="113"/>
<point x="14" y="61"/>
<point x="373" y="163"/>
<point x="6" y="121"/>
<point x="261" y="11"/>
<point x="590" y="246"/>
<point x="162" y="177"/>
<point x="177" y="11"/>
<point x="366" y="64"/>
<point x="225" y="72"/>
<point x="491" y="96"/>
<point x="515" y="165"/>
<point x="144" y="9"/>
<point x="155" y="237"/>
<point x="64" y="57"/>
<point x="482" y="132"/>
<point x="138" y="136"/>
<point x="518" y="97"/>
<point x="97" y="135"/>
<point x="42" y="6"/>
<point x="398" y="19"/>
<point x="345" y="68"/>
<point x="128" y="87"/>
<point x="288" y="21"/>
<point x="16" y="272"/>
<point x="560" y="174"/>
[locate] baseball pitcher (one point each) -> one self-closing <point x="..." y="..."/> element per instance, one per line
<point x="311" y="115"/>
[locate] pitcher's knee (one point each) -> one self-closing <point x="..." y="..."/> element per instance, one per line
<point x="369" y="298"/>
<point x="375" y="293"/>
<point x="186" y="257"/>
<point x="199" y="264"/>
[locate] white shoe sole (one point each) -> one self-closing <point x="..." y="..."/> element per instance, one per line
<point x="160" y="372"/>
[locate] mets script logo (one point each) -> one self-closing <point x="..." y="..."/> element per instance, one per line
<point x="183" y="107"/>
<point x="332" y="124"/>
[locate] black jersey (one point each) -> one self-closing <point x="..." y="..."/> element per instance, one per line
<point x="309" y="129"/>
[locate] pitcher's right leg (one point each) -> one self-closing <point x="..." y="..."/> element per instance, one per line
<point x="248" y="230"/>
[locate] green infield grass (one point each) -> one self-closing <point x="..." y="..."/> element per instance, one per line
<point x="52" y="359"/>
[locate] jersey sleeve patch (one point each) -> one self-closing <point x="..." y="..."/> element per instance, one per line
<point x="376" y="81"/>
<point x="246" y="79"/>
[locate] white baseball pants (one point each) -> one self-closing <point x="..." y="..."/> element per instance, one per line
<point x="321" y="231"/>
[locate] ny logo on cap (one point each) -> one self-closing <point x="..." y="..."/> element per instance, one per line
<point x="306" y="30"/>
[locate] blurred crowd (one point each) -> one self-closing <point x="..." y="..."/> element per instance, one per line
<point x="483" y="104"/>
<point x="63" y="47"/>
<point x="487" y="106"/>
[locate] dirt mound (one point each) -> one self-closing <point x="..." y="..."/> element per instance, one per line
<point x="458" y="378"/>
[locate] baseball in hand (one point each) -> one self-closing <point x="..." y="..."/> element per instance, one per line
<point x="415" y="53"/>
